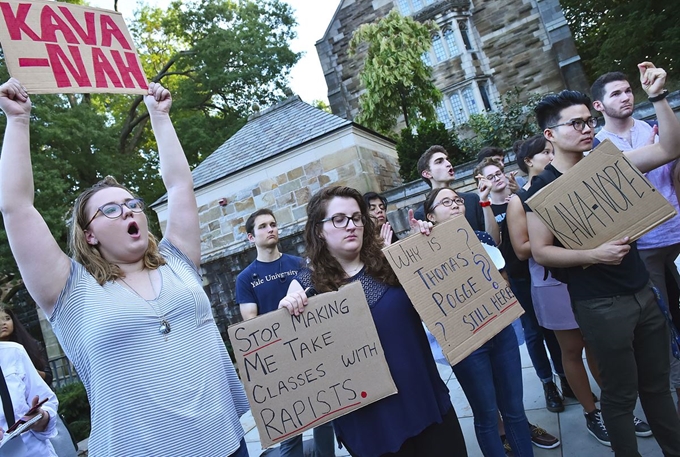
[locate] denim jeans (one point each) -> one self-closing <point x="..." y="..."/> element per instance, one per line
<point x="534" y="335"/>
<point x="324" y="443"/>
<point x="242" y="451"/>
<point x="629" y="337"/>
<point x="491" y="378"/>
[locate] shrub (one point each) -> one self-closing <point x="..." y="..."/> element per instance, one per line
<point x="75" y="407"/>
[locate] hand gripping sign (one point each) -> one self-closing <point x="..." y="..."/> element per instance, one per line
<point x="602" y="198"/>
<point x="302" y="371"/>
<point x="55" y="47"/>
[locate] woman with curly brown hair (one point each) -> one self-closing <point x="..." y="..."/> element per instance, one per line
<point x="342" y="246"/>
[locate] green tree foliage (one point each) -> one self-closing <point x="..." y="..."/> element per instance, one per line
<point x="397" y="81"/>
<point x="512" y="120"/>
<point x="218" y="57"/>
<point x="411" y="146"/>
<point x="75" y="407"/>
<point x="614" y="35"/>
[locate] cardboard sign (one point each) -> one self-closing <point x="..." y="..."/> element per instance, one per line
<point x="302" y="371"/>
<point x="602" y="198"/>
<point x="454" y="286"/>
<point x="55" y="47"/>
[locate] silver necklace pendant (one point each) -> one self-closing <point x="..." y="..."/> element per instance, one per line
<point x="164" y="329"/>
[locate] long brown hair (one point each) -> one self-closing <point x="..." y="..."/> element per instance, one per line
<point x="327" y="273"/>
<point x="88" y="255"/>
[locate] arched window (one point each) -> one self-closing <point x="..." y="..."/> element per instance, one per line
<point x="438" y="47"/>
<point x="443" y="115"/>
<point x="450" y="38"/>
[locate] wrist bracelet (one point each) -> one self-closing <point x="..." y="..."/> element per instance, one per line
<point x="485" y="204"/>
<point x="661" y="96"/>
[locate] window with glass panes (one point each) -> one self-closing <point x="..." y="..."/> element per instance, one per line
<point x="459" y="114"/>
<point x="450" y="38"/>
<point x="438" y="46"/>
<point x="443" y="115"/>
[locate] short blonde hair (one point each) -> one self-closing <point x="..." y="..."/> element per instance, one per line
<point x="89" y="255"/>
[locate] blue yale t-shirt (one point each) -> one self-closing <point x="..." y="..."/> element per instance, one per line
<point x="599" y="280"/>
<point x="266" y="283"/>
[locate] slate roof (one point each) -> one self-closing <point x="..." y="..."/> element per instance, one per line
<point x="275" y="130"/>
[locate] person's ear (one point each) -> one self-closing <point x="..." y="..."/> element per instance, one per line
<point x="251" y="237"/>
<point x="549" y="135"/>
<point x="90" y="238"/>
<point x="426" y="174"/>
<point x="431" y="217"/>
<point x="598" y="106"/>
<point x="528" y="161"/>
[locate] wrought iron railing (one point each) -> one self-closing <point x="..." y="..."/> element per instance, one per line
<point x="63" y="371"/>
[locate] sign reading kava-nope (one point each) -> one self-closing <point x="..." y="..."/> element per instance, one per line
<point x="55" y="47"/>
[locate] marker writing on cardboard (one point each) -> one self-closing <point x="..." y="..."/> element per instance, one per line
<point x="581" y="219"/>
<point x="284" y="421"/>
<point x="405" y="257"/>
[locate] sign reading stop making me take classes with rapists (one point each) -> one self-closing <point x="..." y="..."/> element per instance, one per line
<point x="55" y="47"/>
<point x="302" y="371"/>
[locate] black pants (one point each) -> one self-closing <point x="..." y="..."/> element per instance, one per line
<point x="438" y="440"/>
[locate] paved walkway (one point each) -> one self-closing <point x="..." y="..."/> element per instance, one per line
<point x="569" y="425"/>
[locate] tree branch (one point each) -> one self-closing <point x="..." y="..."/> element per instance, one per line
<point x="131" y="120"/>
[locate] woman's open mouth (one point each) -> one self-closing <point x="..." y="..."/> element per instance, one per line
<point x="133" y="229"/>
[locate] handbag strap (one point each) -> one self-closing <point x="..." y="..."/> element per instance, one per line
<point x="6" y="401"/>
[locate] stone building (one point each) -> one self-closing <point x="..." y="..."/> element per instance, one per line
<point x="281" y="157"/>
<point x="484" y="48"/>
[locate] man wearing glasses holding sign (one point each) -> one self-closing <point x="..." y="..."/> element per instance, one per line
<point x="612" y="298"/>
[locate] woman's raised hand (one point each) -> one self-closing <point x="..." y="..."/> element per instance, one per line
<point x="158" y="100"/>
<point x="14" y="99"/>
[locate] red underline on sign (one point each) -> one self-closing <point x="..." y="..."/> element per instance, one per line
<point x="508" y="307"/>
<point x="261" y="347"/>
<point x="28" y="62"/>
<point x="318" y="419"/>
<point x="484" y="324"/>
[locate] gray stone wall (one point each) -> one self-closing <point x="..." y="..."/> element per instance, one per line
<point x="516" y="43"/>
<point x="287" y="194"/>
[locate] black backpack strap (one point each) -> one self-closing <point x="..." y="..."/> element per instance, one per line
<point x="6" y="401"/>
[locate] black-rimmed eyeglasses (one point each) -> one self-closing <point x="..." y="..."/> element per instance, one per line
<point x="449" y="202"/>
<point x="115" y="210"/>
<point x="579" y="124"/>
<point x="341" y="221"/>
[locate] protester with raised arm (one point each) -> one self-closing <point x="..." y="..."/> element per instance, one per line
<point x="129" y="312"/>
<point x="612" y="299"/>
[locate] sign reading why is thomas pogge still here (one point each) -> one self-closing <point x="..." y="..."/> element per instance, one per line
<point x="454" y="286"/>
<point x="302" y="371"/>
<point x="602" y="198"/>
<point x="56" y="47"/>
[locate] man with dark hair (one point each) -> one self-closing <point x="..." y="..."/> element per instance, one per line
<point x="436" y="170"/>
<point x="259" y="288"/>
<point x="612" y="299"/>
<point x="613" y="97"/>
